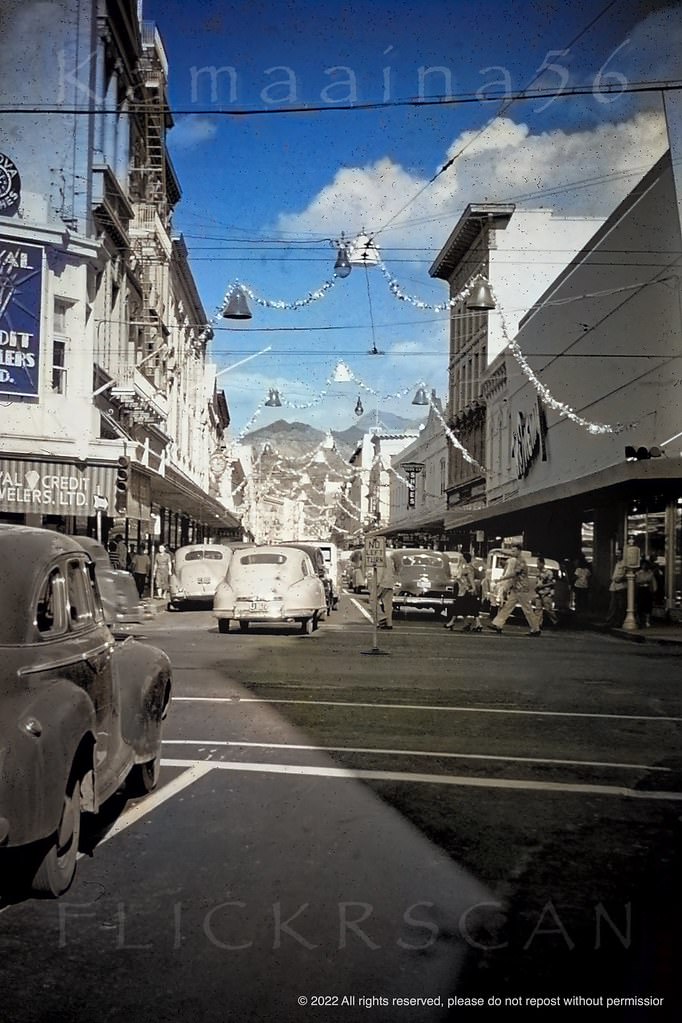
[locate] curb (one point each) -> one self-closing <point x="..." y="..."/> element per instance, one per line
<point x="637" y="637"/>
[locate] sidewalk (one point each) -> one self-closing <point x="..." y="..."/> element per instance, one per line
<point x="661" y="632"/>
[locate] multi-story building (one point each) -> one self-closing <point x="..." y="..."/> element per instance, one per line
<point x="102" y="333"/>
<point x="603" y="343"/>
<point x="369" y="488"/>
<point x="418" y="486"/>
<point x="517" y="252"/>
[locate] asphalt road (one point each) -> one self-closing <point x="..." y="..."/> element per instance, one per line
<point x="454" y="818"/>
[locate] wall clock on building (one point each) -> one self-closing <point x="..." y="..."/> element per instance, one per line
<point x="10" y="186"/>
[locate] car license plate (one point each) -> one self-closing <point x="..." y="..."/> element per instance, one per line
<point x="258" y="606"/>
<point x="203" y="582"/>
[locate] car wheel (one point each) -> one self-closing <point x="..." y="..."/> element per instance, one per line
<point x="244" y="626"/>
<point x="307" y="625"/>
<point x="58" y="865"/>
<point x="315" y="621"/>
<point x="144" y="778"/>
<point x="223" y="625"/>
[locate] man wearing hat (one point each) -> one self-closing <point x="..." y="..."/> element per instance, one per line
<point x="517" y="589"/>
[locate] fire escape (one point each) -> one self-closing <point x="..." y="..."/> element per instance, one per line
<point x="141" y="390"/>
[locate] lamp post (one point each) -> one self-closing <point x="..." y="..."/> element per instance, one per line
<point x="632" y="560"/>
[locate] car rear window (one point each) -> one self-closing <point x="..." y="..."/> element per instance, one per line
<point x="263" y="559"/>
<point x="421" y="559"/>
<point x="204" y="556"/>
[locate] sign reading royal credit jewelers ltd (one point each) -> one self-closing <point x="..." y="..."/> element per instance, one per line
<point x="50" y="488"/>
<point x="21" y="285"/>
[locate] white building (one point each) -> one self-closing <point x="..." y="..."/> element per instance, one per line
<point x="604" y="339"/>
<point x="102" y="333"/>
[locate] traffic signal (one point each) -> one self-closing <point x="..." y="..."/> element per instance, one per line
<point x="633" y="454"/>
<point x="122" y="481"/>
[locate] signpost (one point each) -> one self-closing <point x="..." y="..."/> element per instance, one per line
<point x="375" y="558"/>
<point x="100" y="504"/>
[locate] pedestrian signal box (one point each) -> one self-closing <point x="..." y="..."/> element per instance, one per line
<point x="122" y="482"/>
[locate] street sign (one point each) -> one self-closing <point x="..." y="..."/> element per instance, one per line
<point x="375" y="552"/>
<point x="100" y="502"/>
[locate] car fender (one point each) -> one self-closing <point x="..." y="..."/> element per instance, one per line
<point x="42" y="744"/>
<point x="144" y="681"/>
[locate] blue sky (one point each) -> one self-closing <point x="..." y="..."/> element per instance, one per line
<point x="265" y="190"/>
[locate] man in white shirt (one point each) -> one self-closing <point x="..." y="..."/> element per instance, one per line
<point x="386" y="578"/>
<point x="517" y="589"/>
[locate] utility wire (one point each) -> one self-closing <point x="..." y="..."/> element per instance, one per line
<point x="505" y="106"/>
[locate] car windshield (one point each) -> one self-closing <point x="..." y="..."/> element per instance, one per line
<point x="263" y="559"/>
<point x="204" y="556"/>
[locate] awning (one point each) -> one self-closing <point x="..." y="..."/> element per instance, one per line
<point x="179" y="494"/>
<point x="620" y="475"/>
<point x="428" y="522"/>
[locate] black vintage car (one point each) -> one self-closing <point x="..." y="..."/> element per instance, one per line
<point x="423" y="579"/>
<point x="79" y="713"/>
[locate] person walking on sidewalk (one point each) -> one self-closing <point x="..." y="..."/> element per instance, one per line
<point x="385" y="581"/>
<point x="141" y="566"/>
<point x="618" y="593"/>
<point x="468" y="603"/>
<point x="544" y="587"/>
<point x="516" y="585"/>
<point x="646" y="586"/>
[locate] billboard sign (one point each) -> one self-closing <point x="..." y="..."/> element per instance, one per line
<point x="21" y="286"/>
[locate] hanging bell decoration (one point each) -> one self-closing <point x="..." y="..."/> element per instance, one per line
<point x="273" y="399"/>
<point x="358" y="407"/>
<point x="420" y="397"/>
<point x="342" y="266"/>
<point x="481" y="297"/>
<point x="237" y="307"/>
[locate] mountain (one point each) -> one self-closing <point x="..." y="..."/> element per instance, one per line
<point x="296" y="439"/>
<point x="289" y="439"/>
<point x="347" y="440"/>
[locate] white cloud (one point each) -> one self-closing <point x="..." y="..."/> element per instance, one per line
<point x="580" y="172"/>
<point x="191" y="131"/>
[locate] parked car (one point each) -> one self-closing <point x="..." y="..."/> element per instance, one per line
<point x="268" y="585"/>
<point x="423" y="579"/>
<point x="495" y="565"/>
<point x="316" y="555"/>
<point x="330" y="553"/>
<point x="79" y="713"/>
<point x="120" y="600"/>
<point x="198" y="570"/>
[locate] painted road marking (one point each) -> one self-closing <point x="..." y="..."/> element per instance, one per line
<point x="212" y="743"/>
<point x="432" y="779"/>
<point x="196" y="770"/>
<point x="429" y="707"/>
<point x="361" y="608"/>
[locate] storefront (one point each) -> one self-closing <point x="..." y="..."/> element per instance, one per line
<point x="57" y="495"/>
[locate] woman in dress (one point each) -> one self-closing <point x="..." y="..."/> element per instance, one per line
<point x="468" y="603"/>
<point x="162" y="571"/>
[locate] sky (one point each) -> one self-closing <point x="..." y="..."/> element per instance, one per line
<point x="276" y="157"/>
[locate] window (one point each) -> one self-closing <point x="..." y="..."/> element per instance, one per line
<point x="61" y="310"/>
<point x="79" y="594"/>
<point x="50" y="616"/>
<point x="204" y="556"/>
<point x="263" y="559"/>
<point x="443" y="480"/>
<point x="59" y="365"/>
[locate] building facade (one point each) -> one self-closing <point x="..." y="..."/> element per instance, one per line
<point x="106" y="422"/>
<point x="517" y="252"/>
<point x="604" y="339"/>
